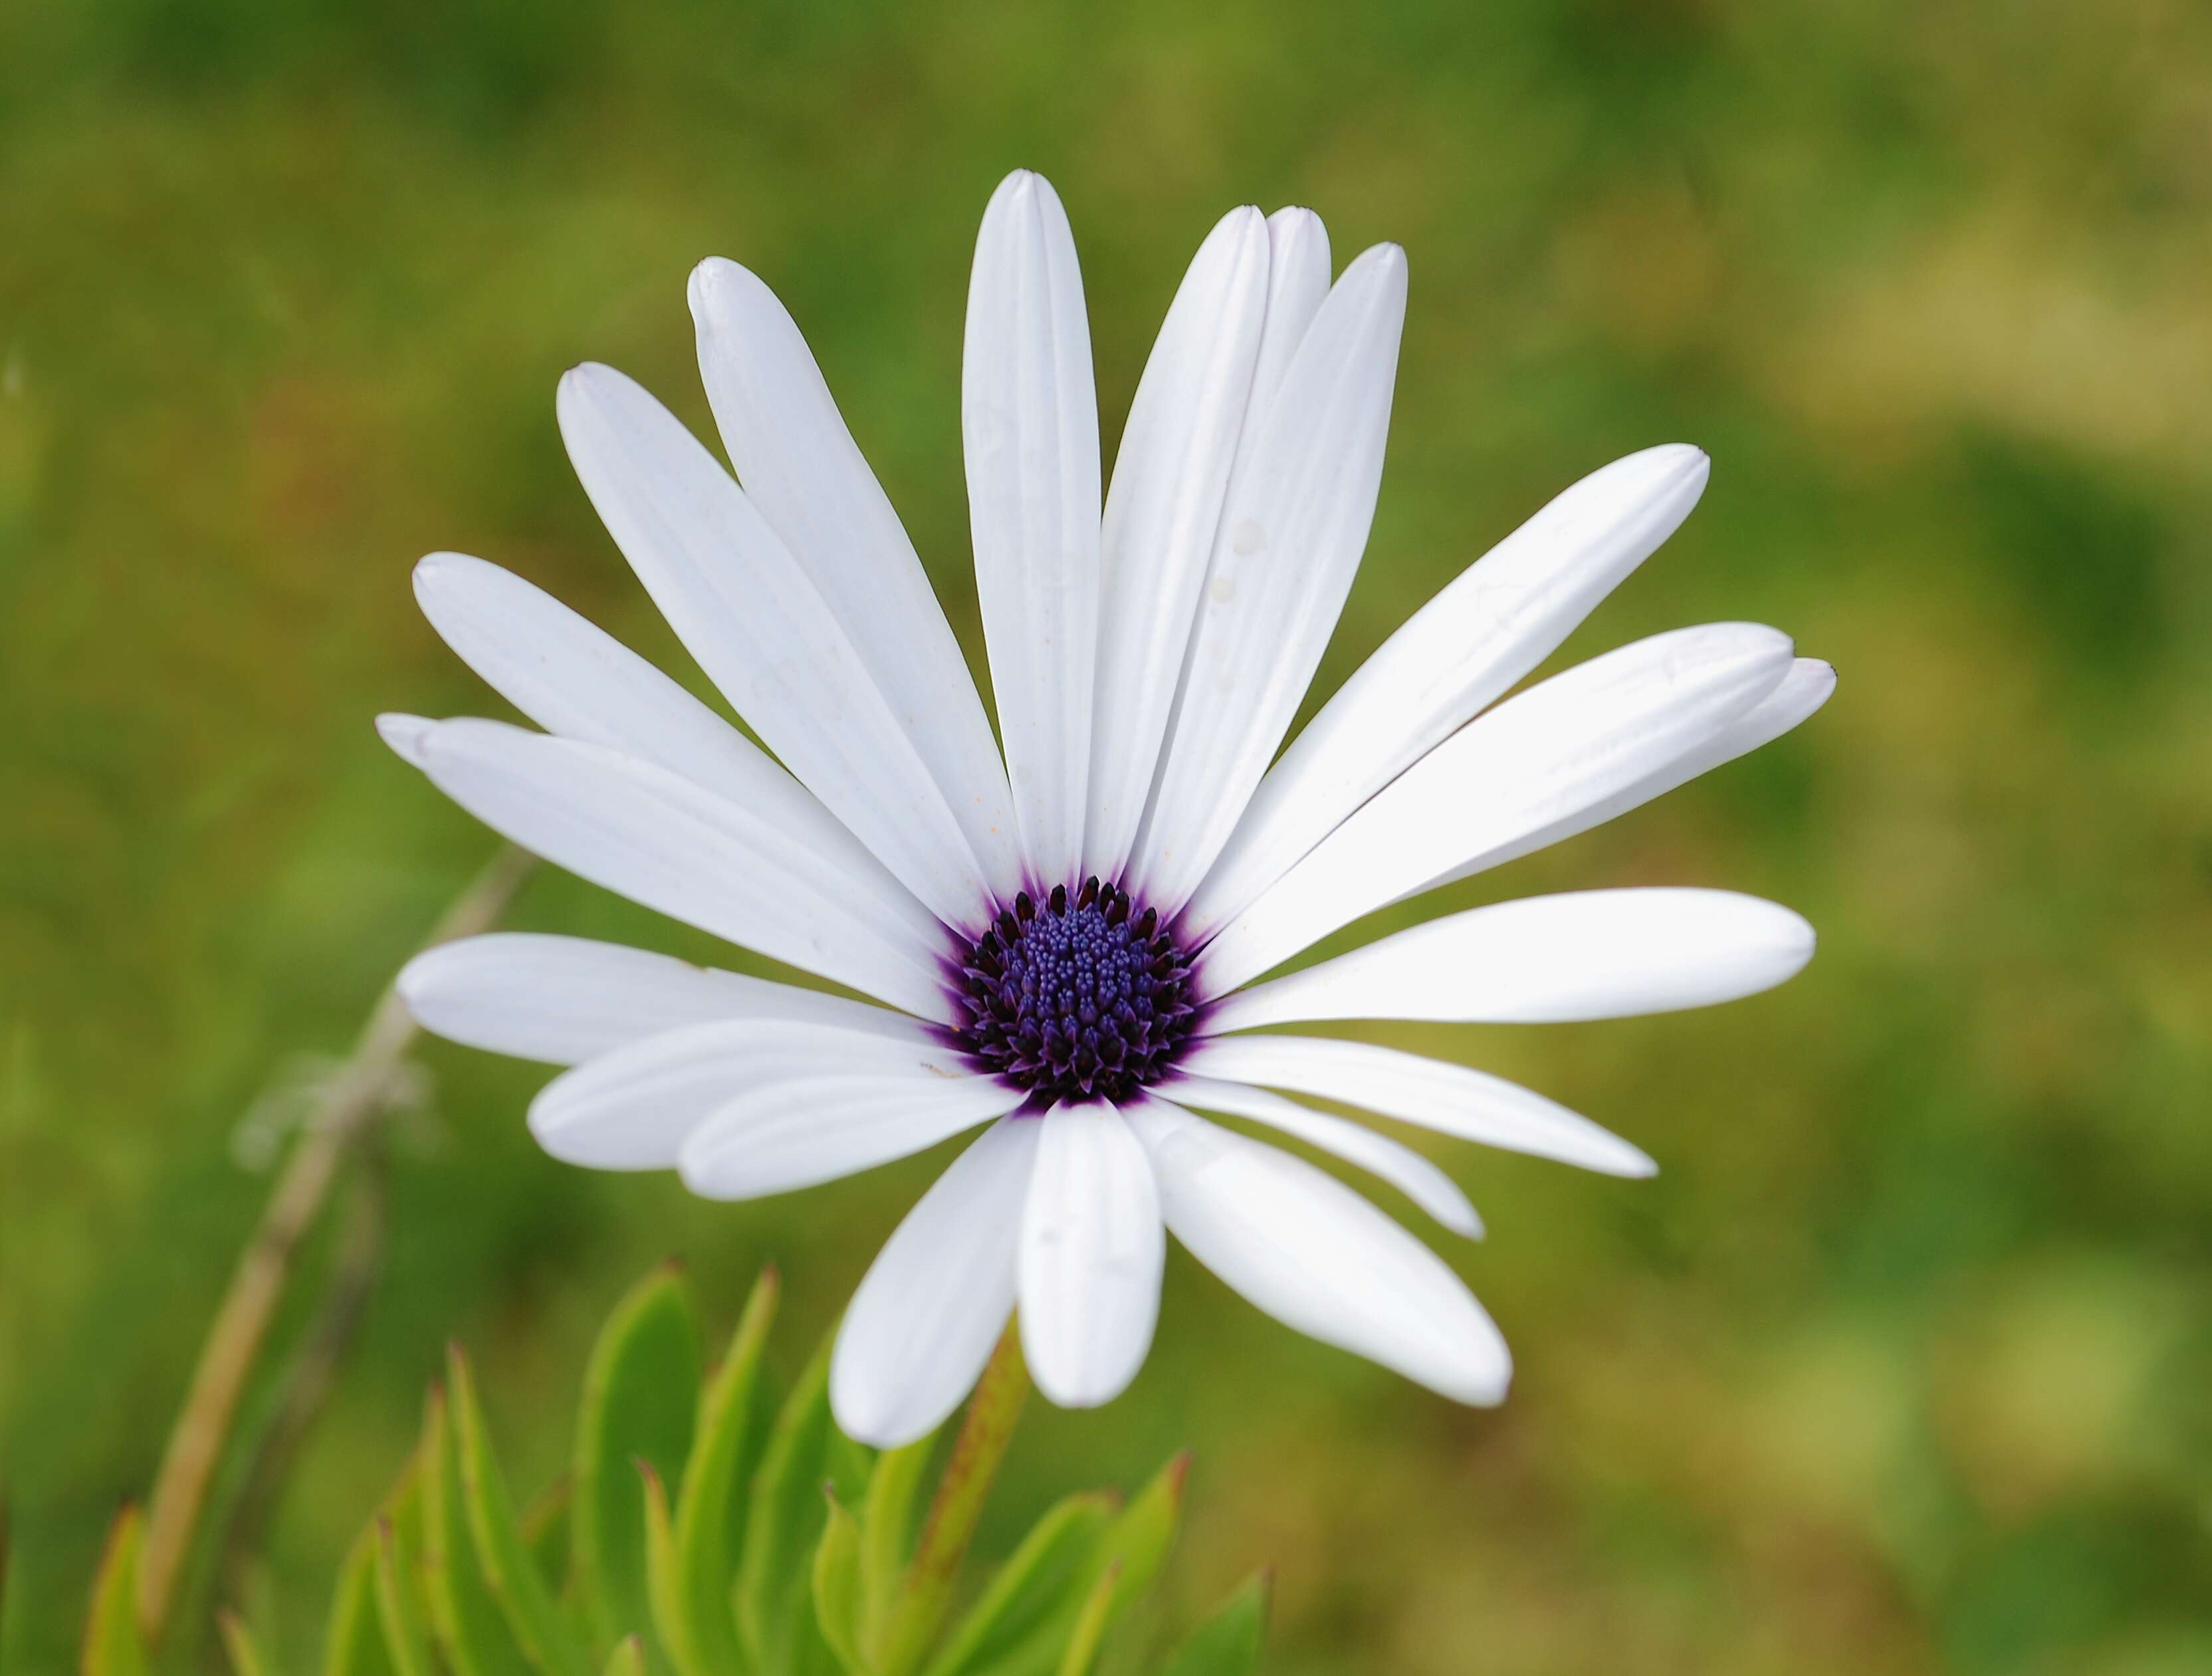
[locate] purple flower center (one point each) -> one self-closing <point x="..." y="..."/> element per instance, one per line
<point x="1078" y="996"/>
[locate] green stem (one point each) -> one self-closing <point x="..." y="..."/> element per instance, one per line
<point x="935" y="1569"/>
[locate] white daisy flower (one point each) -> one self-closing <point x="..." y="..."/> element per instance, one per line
<point x="1070" y="945"/>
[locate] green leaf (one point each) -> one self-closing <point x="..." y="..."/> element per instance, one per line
<point x="238" y="1641"/>
<point x="886" y="1532"/>
<point x="1091" y="1620"/>
<point x="629" y="1657"/>
<point x="690" y="1576"/>
<point x="925" y="1593"/>
<point x="640" y="1399"/>
<point x="1043" y="1582"/>
<point x="1229" y="1643"/>
<point x="399" y="1603"/>
<point x="545" y="1531"/>
<point x="775" y="1614"/>
<point x="509" y="1571"/>
<point x="1118" y="1565"/>
<point x="353" y="1643"/>
<point x="112" y="1645"/>
<point x="471" y="1626"/>
<point x="837" y="1581"/>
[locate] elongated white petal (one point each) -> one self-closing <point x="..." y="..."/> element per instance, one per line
<point x="1291" y="533"/>
<point x="1415" y="1176"/>
<point x="1316" y="1256"/>
<point x="1092" y="1248"/>
<point x="800" y="465"/>
<point x="802" y="897"/>
<point x="1542" y="758"/>
<point x="1451" y="1099"/>
<point x="760" y="628"/>
<point x="1029" y="423"/>
<point x="1589" y="954"/>
<point x="1161" y="516"/>
<point x="1297" y="285"/>
<point x="1804" y="689"/>
<point x="634" y="1107"/>
<point x="798" y="1133"/>
<point x="566" y="999"/>
<point x="1504" y="615"/>
<point x="574" y="679"/>
<point x="923" y="1322"/>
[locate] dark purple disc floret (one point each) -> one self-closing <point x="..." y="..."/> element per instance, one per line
<point x="1077" y="995"/>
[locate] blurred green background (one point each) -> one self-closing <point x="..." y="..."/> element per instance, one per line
<point x="1905" y="1361"/>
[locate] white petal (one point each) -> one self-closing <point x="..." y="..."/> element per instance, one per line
<point x="924" y="1321"/>
<point x="1504" y="615"/>
<point x="1092" y="1248"/>
<point x="762" y="632"/>
<point x="634" y="1107"/>
<point x="572" y="679"/>
<point x="1543" y="960"/>
<point x="1319" y="1258"/>
<point x="1542" y="758"/>
<point x="638" y="830"/>
<point x="566" y="999"/>
<point x="1803" y="691"/>
<point x="1161" y="517"/>
<point x="1415" y="1176"/>
<point x="1451" y="1099"/>
<point x="1029" y="422"/>
<point x="1291" y="533"/>
<point x="795" y="1134"/>
<point x="1297" y="285"/>
<point x="800" y="466"/>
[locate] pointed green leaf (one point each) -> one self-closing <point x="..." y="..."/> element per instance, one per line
<point x="692" y="1595"/>
<point x="1043" y="1582"/>
<point x="1138" y="1541"/>
<point x="353" y="1643"/>
<point x="1229" y="1643"/>
<point x="775" y="1615"/>
<point x="238" y="1641"/>
<point x="640" y="1399"/>
<point x="1091" y="1620"/>
<point x="545" y="1531"/>
<point x="399" y="1602"/>
<point x="886" y="1534"/>
<point x="837" y="1586"/>
<point x="509" y="1571"/>
<point x="469" y="1624"/>
<point x="112" y="1644"/>
<point x="629" y="1657"/>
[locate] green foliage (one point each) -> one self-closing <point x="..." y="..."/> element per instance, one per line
<point x="786" y="1550"/>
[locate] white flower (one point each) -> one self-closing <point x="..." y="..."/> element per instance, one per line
<point x="1148" y="660"/>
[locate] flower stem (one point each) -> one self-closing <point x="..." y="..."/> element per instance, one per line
<point x="953" y="1511"/>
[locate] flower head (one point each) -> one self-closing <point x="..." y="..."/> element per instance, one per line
<point x="1061" y="941"/>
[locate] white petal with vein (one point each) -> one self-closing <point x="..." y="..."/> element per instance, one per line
<point x="1451" y="1099"/>
<point x="566" y="999"/>
<point x="807" y="897"/>
<point x="800" y="465"/>
<point x="1588" y="954"/>
<point x="1092" y="1248"/>
<point x="1312" y="1254"/>
<point x="1504" y="615"/>
<point x="1161" y="517"/>
<point x="1029" y="422"/>
<point x="1291" y="533"/>
<point x="1542" y="756"/>
<point x="1415" y="1176"/>
<point x="924" y="1321"/>
<point x="761" y="628"/>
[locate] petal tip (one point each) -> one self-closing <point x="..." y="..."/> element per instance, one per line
<point x="407" y="735"/>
